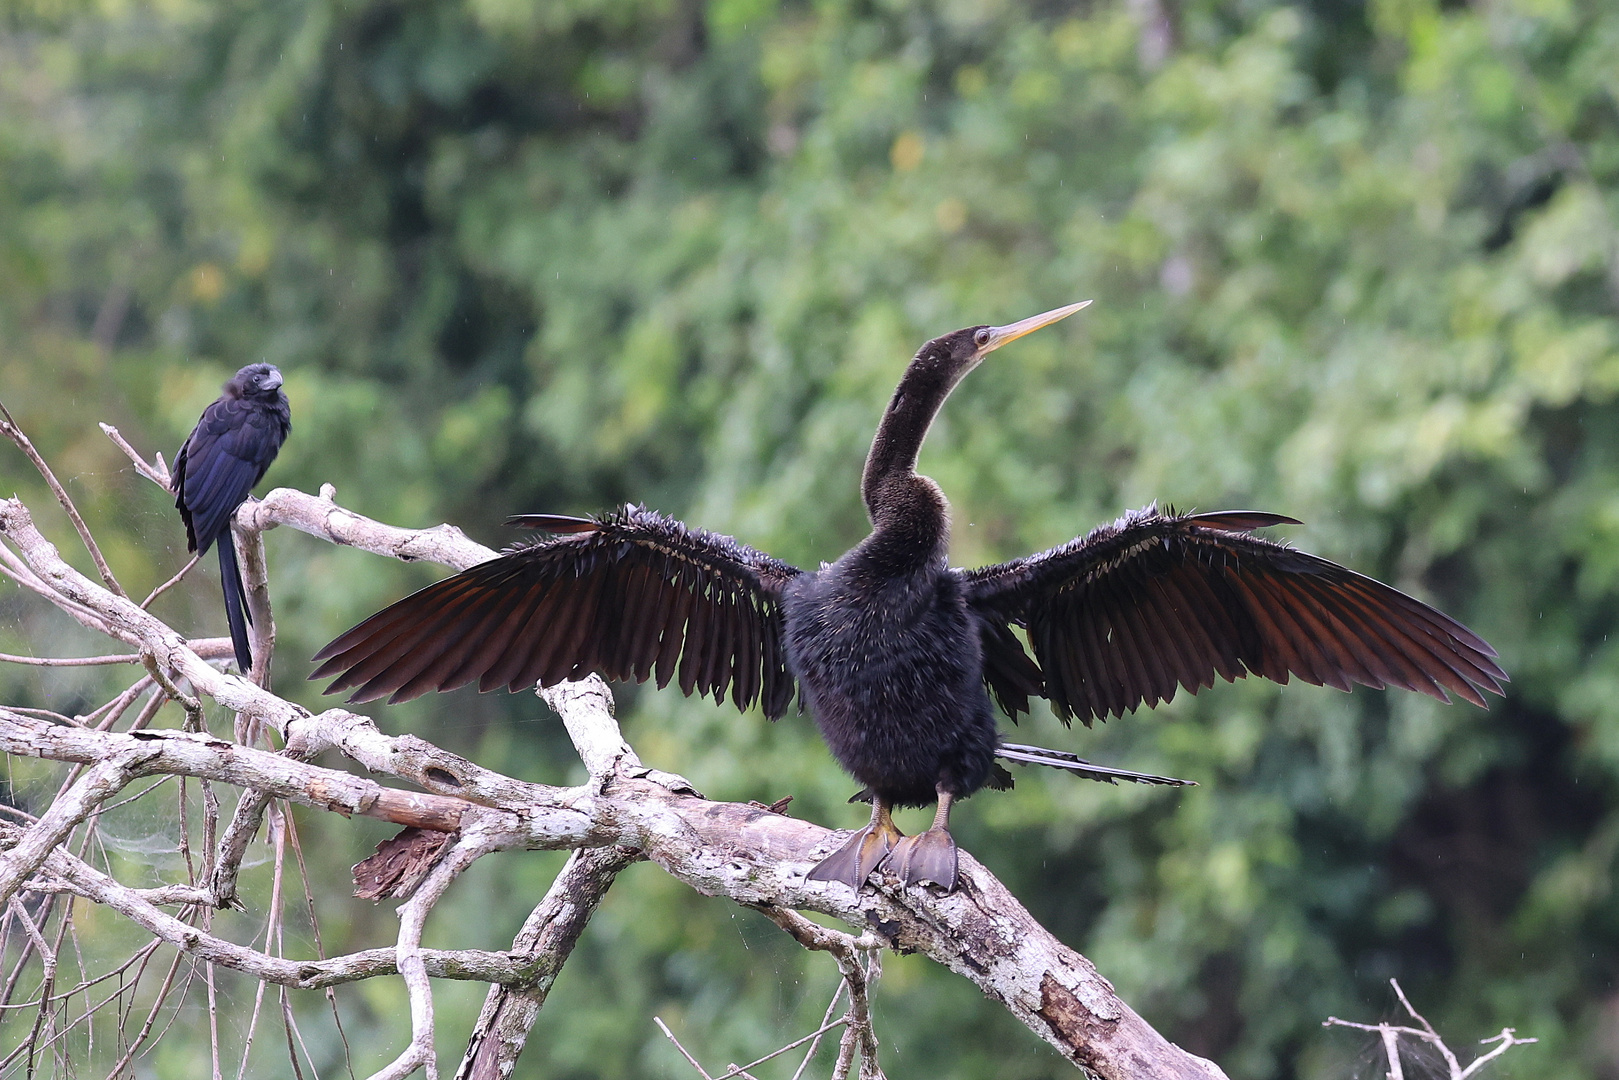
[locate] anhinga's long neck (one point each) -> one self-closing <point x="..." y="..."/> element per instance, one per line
<point x="909" y="516"/>
<point x="897" y="499"/>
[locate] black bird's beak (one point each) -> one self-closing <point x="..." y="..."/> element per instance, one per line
<point x="272" y="381"/>
<point x="1000" y="335"/>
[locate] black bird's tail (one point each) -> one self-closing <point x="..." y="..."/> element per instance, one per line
<point x="1058" y="759"/>
<point x="235" y="602"/>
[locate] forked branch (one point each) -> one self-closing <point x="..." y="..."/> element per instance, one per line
<point x="1391" y="1034"/>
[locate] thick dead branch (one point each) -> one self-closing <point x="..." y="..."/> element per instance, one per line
<point x="320" y="516"/>
<point x="127" y="756"/>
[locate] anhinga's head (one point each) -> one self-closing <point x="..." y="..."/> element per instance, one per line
<point x="935" y="370"/>
<point x="942" y="362"/>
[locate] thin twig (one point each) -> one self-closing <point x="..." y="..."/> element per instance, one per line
<point x="320" y="946"/>
<point x="71" y="661"/>
<point x="172" y="582"/>
<point x="151" y="1018"/>
<point x="115" y="708"/>
<point x="88" y="984"/>
<point x="17" y="571"/>
<point x="71" y="807"/>
<point x="1507" y="1040"/>
<point x="47" y="982"/>
<point x="809" y="1055"/>
<point x="9" y="428"/>
<point x="188" y="702"/>
<point x="734" y="1071"/>
<point x="1390" y="1036"/>
<point x="157" y="474"/>
<point x="683" y="1051"/>
<point x="859" y="1038"/>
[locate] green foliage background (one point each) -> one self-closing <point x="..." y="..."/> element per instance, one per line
<point x="1354" y="261"/>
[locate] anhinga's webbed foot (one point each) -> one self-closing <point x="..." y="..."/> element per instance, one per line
<point x="928" y="856"/>
<point x="853" y="863"/>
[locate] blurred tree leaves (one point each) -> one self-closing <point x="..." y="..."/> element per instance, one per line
<point x="1356" y="262"/>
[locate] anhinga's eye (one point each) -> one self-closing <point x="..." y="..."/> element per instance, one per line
<point x="982" y="337"/>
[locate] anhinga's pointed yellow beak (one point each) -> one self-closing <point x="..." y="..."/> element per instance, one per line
<point x="1000" y="335"/>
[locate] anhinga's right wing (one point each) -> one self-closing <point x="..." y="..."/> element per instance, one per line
<point x="1155" y="602"/>
<point x="630" y="595"/>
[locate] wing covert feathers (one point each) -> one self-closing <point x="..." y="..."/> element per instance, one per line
<point x="631" y="595"/>
<point x="1155" y="602"/>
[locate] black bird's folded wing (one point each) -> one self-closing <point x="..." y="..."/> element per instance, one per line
<point x="1157" y="601"/>
<point x="632" y="595"/>
<point x="227" y="453"/>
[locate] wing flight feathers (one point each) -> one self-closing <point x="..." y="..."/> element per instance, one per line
<point x="1156" y="602"/>
<point x="631" y="595"/>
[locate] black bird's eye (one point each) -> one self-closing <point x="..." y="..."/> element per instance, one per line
<point x="982" y="337"/>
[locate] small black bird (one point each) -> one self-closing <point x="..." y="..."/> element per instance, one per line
<point x="223" y="457"/>
<point x="895" y="652"/>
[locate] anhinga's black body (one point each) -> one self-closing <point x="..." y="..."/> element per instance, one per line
<point x="226" y="454"/>
<point x="897" y="653"/>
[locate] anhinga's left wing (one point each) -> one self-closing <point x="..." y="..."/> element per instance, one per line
<point x="1156" y="601"/>
<point x="629" y="595"/>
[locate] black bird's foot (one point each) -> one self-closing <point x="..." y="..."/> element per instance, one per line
<point x="853" y="863"/>
<point x="928" y="856"/>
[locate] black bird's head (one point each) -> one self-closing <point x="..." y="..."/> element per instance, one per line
<point x="256" y="382"/>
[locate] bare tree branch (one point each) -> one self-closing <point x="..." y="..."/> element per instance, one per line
<point x="34" y="846"/>
<point x="157" y="474"/>
<point x="1390" y="1035"/>
<point x="859" y="1038"/>
<point x="737" y="851"/>
<point x="546" y="939"/>
<point x="256" y="584"/>
<point x="70" y="661"/>
<point x="182" y="753"/>
<point x="9" y="428"/>
<point x="172" y="582"/>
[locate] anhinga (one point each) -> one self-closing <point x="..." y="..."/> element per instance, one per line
<point x="895" y="652"/>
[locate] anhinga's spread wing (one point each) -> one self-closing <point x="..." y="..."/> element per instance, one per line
<point x="630" y="595"/>
<point x="1155" y="601"/>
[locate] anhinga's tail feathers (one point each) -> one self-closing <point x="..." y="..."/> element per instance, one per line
<point x="235" y="602"/>
<point x="1058" y="759"/>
